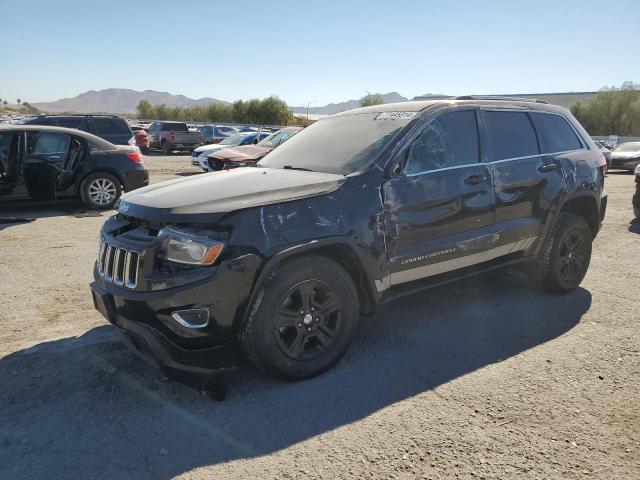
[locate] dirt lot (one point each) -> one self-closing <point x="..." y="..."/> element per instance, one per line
<point x="481" y="379"/>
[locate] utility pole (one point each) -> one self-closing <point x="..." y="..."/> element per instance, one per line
<point x="309" y="103"/>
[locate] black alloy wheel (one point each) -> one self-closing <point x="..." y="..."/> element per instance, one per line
<point x="307" y="320"/>
<point x="572" y="257"/>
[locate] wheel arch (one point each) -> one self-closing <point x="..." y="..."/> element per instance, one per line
<point x="338" y="249"/>
<point x="110" y="171"/>
<point x="585" y="206"/>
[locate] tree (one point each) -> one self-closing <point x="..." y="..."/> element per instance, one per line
<point x="5" y="103"/>
<point x="369" y="100"/>
<point x="612" y="111"/>
<point x="18" y="101"/>
<point x="145" y="110"/>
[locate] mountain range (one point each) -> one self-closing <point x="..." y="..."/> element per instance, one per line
<point x="330" y="109"/>
<point x="123" y="100"/>
<point x="119" y="100"/>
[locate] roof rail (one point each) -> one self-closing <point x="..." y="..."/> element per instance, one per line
<point x="77" y="115"/>
<point x="497" y="97"/>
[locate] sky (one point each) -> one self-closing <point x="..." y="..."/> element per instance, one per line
<point x="315" y="51"/>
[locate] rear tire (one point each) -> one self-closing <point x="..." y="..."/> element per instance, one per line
<point x="100" y="191"/>
<point x="303" y="320"/>
<point x="565" y="257"/>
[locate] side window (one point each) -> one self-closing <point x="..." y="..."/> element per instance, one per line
<point x="110" y="126"/>
<point x="511" y="134"/>
<point x="451" y="140"/>
<point x="70" y="123"/>
<point x="47" y="143"/>
<point x="555" y="132"/>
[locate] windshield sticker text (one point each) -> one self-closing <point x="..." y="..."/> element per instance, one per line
<point x="393" y="115"/>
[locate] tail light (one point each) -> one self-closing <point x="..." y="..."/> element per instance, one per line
<point x="603" y="163"/>
<point x="172" y="136"/>
<point x="135" y="156"/>
<point x="201" y="138"/>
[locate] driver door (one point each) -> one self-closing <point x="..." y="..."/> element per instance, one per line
<point x="44" y="163"/>
<point x="439" y="204"/>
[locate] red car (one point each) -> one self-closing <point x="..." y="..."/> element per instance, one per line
<point x="244" y="156"/>
<point x="142" y="138"/>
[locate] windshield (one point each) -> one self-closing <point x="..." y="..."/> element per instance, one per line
<point x="234" y="139"/>
<point x="343" y="144"/>
<point x="628" y="147"/>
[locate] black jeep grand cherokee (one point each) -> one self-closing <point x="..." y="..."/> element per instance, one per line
<point x="281" y="259"/>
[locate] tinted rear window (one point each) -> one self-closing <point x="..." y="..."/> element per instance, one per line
<point x="511" y="134"/>
<point x="110" y="126"/>
<point x="70" y="123"/>
<point x="174" y="127"/>
<point x="555" y="132"/>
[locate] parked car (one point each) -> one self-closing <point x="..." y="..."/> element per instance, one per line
<point x="113" y="129"/>
<point x="626" y="156"/>
<point x="142" y="138"/>
<point x="636" y="196"/>
<point x="49" y="163"/>
<point x="244" y="156"/>
<point x="172" y="136"/>
<point x="216" y="133"/>
<point x="199" y="155"/>
<point x="355" y="210"/>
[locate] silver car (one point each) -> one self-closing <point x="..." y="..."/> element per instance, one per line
<point x="626" y="156"/>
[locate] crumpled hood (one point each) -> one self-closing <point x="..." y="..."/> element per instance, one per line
<point x="207" y="197"/>
<point x="242" y="153"/>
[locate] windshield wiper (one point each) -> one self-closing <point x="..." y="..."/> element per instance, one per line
<point x="291" y="167"/>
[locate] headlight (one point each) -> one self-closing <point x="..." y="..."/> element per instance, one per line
<point x="189" y="246"/>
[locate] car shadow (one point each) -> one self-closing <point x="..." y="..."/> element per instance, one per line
<point x="634" y="225"/>
<point x="159" y="153"/>
<point x="25" y="212"/>
<point x="88" y="406"/>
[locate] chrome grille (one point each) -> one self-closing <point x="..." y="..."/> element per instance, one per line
<point x="118" y="265"/>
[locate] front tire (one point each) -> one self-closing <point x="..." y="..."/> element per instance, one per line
<point x="565" y="257"/>
<point x="303" y="320"/>
<point x="100" y="191"/>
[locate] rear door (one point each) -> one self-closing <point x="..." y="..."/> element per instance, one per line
<point x="44" y="162"/>
<point x="11" y="146"/>
<point x="439" y="204"/>
<point x="527" y="181"/>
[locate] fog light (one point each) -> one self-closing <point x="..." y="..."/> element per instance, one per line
<point x="193" y="318"/>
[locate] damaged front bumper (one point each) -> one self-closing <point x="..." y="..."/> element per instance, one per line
<point x="206" y="368"/>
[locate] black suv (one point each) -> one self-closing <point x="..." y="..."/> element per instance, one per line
<point x="48" y="163"/>
<point x="361" y="207"/>
<point x="113" y="129"/>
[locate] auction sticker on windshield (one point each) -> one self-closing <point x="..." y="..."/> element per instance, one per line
<point x="403" y="115"/>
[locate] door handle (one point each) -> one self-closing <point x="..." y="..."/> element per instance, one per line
<point x="547" y="167"/>
<point x="475" y="179"/>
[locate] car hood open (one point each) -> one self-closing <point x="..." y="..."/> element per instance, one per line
<point x="210" y="196"/>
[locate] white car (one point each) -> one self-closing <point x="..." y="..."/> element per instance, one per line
<point x="199" y="155"/>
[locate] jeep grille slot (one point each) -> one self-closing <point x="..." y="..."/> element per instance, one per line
<point x="118" y="265"/>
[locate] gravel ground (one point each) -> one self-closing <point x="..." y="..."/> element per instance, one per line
<point x="485" y="378"/>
